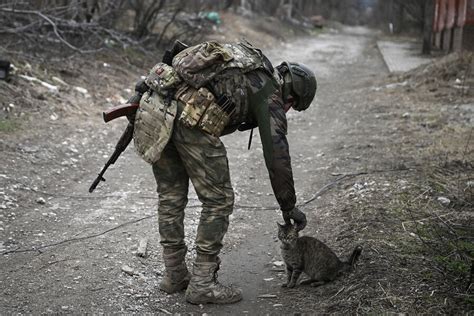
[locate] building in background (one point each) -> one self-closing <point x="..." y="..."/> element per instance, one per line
<point x="449" y="25"/>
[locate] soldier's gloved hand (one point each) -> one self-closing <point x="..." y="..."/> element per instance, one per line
<point x="298" y="217"/>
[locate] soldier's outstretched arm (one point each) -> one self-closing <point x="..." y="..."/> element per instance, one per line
<point x="276" y="151"/>
<point x="268" y="111"/>
<point x="279" y="164"/>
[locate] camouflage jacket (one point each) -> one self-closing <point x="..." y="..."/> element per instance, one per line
<point x="242" y="73"/>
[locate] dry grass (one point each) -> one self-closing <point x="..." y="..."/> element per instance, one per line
<point x="418" y="247"/>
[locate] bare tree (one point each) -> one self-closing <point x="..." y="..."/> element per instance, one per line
<point x="146" y="12"/>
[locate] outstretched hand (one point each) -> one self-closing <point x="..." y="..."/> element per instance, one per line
<point x="298" y="217"/>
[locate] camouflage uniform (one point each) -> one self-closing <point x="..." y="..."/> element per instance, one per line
<point x="194" y="155"/>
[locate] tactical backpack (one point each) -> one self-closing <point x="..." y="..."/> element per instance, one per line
<point x="220" y="68"/>
<point x="197" y="65"/>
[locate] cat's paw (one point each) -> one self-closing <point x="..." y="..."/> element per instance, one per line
<point x="306" y="282"/>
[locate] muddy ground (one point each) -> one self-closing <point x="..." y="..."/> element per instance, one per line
<point x="378" y="161"/>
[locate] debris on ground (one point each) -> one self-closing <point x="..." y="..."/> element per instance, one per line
<point x="142" y="247"/>
<point x="128" y="270"/>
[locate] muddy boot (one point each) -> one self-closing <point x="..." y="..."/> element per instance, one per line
<point x="204" y="287"/>
<point x="176" y="273"/>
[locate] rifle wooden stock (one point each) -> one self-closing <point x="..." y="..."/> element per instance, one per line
<point x="118" y="111"/>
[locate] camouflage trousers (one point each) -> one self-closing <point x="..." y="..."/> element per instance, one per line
<point x="193" y="155"/>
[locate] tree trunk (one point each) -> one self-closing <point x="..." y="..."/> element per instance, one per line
<point x="428" y="26"/>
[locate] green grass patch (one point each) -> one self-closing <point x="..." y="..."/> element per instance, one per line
<point x="9" y="125"/>
<point x="449" y="247"/>
<point x="454" y="265"/>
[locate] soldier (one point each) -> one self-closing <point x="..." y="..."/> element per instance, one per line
<point x="213" y="89"/>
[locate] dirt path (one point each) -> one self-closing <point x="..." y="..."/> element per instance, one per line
<point x="49" y="203"/>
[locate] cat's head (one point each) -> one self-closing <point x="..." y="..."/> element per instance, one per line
<point x="288" y="234"/>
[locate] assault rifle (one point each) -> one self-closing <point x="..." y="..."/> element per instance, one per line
<point x="129" y="111"/>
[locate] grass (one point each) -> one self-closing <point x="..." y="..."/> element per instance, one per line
<point x="9" y="125"/>
<point x="453" y="265"/>
<point x="448" y="246"/>
<point x="430" y="228"/>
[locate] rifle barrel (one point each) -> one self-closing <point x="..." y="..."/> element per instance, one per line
<point x="122" y="144"/>
<point x="96" y="182"/>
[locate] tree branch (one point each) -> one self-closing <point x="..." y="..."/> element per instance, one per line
<point x="55" y="28"/>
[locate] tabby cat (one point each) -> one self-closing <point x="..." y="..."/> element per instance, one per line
<point x="311" y="256"/>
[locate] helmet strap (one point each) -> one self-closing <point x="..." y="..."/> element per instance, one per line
<point x="287" y="87"/>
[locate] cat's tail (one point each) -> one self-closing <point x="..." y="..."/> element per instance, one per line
<point x="349" y="264"/>
<point x="355" y="255"/>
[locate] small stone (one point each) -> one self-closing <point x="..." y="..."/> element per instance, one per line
<point x="277" y="305"/>
<point x="64" y="307"/>
<point x="73" y="149"/>
<point x="268" y="279"/>
<point x="267" y="296"/>
<point x="406" y="115"/>
<point x="444" y="201"/>
<point x="128" y="270"/>
<point x="278" y="263"/>
<point x="41" y="201"/>
<point x="81" y="90"/>
<point x="30" y="149"/>
<point x="142" y="247"/>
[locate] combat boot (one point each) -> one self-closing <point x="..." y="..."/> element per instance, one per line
<point x="176" y="273"/>
<point x="204" y="287"/>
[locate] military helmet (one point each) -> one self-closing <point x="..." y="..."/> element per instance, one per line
<point x="301" y="83"/>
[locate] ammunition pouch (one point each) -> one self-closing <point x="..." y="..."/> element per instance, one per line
<point x="162" y="78"/>
<point x="203" y="111"/>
